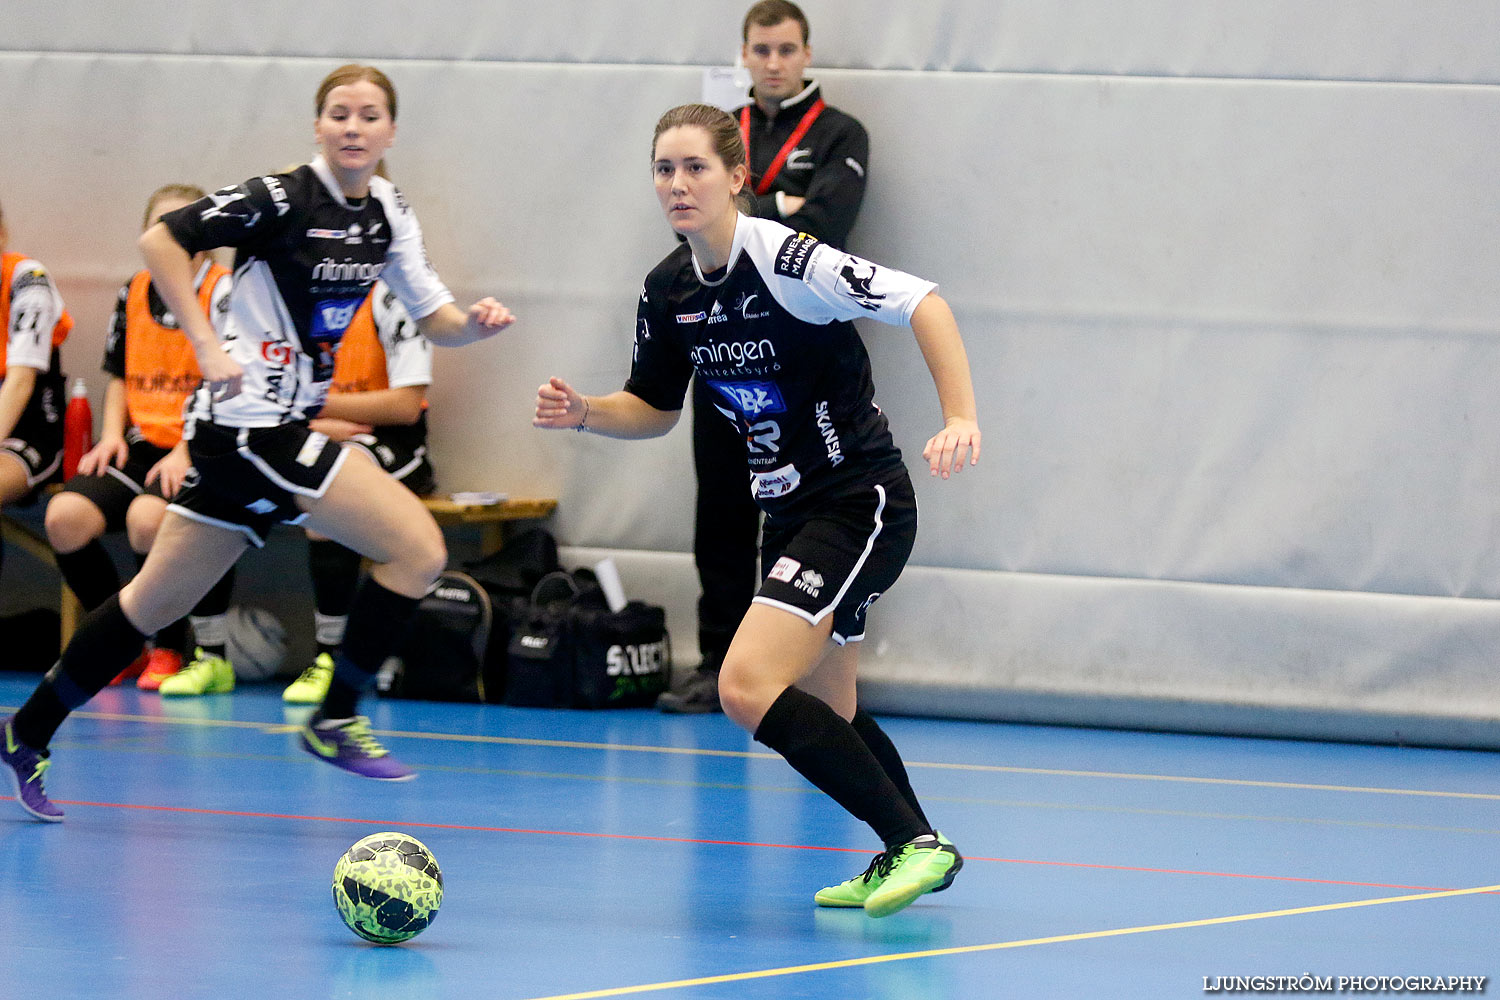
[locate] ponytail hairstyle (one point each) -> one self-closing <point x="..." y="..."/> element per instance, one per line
<point x="356" y="73"/>
<point x="723" y="134"/>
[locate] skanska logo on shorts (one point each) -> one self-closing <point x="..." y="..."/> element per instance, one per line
<point x="751" y="399"/>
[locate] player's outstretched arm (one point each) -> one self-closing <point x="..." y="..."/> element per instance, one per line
<point x="619" y="415"/>
<point x="450" y="326"/>
<point x="943" y="349"/>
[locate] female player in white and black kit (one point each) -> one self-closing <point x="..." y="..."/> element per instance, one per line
<point x="761" y="313"/>
<point x="309" y="243"/>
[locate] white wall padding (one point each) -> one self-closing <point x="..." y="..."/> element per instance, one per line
<point x="1226" y="275"/>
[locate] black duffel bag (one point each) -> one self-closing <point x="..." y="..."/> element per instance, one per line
<point x="443" y="654"/>
<point x="570" y="650"/>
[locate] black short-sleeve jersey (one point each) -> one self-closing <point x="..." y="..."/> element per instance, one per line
<point x="773" y="341"/>
<point x="305" y="258"/>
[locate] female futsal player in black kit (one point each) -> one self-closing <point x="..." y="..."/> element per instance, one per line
<point x="761" y="314"/>
<point x="310" y="243"/>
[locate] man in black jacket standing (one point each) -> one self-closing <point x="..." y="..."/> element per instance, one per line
<point x="807" y="168"/>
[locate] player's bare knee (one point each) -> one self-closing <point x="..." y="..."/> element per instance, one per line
<point x="72" y="522"/>
<point x="429" y="554"/>
<point x="142" y="521"/>
<point x="741" y="694"/>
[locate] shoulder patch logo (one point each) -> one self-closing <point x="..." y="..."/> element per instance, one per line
<point x="791" y="259"/>
<point x="857" y="286"/>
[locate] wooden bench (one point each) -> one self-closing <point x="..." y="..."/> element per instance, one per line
<point x="489" y="518"/>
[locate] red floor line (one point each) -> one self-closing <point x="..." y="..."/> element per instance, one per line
<point x="188" y="810"/>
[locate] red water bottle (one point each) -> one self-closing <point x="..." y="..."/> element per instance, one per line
<point x="78" y="428"/>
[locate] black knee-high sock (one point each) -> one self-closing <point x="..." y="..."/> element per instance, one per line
<point x="827" y="751"/>
<point x="174" y="637"/>
<point x="103" y="645"/>
<point x="90" y="573"/>
<point x="334" y="569"/>
<point x="890" y="758"/>
<point x="377" y="621"/>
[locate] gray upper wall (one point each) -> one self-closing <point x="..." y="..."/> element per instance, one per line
<point x="1446" y="41"/>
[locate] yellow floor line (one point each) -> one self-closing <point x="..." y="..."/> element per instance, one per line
<point x="1003" y="945"/>
<point x="270" y="727"/>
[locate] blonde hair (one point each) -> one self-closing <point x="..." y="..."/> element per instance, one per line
<point x="181" y="192"/>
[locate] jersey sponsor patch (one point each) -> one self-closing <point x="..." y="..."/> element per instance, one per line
<point x="791" y="259"/>
<point x="776" y="483"/>
<point x="785" y="569"/>
<point x="751" y="399"/>
<point x="692" y="317"/>
<point x="312" y="448"/>
<point x="35" y="277"/>
<point x="331" y="317"/>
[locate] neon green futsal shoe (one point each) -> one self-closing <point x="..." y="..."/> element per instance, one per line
<point x="860" y="888"/>
<point x="311" y="686"/>
<point x="207" y="674"/>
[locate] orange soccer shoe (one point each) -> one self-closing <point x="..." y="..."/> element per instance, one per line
<point x="162" y="664"/>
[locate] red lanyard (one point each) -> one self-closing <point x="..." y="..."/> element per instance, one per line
<point x="791" y="143"/>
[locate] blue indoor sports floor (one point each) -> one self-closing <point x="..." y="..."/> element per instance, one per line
<point x="629" y="853"/>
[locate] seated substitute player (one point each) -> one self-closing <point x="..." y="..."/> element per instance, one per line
<point x="309" y="243"/>
<point x="382" y="371"/>
<point x="31" y="380"/>
<point x="762" y="313"/>
<point x="126" y="480"/>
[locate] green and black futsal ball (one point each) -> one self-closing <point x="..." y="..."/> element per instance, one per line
<point x="387" y="887"/>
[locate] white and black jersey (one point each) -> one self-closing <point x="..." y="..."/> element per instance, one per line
<point x="36" y="308"/>
<point x="771" y="336"/>
<point x="305" y="259"/>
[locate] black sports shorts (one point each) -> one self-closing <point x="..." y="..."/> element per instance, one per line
<point x="37" y="439"/>
<point x="403" y="459"/>
<point x="248" y="478"/>
<point x="113" y="490"/>
<point x="842" y="557"/>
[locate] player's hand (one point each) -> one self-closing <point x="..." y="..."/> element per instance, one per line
<point x="171" y="470"/>
<point x="339" y="429"/>
<point x="487" y="317"/>
<point x="948" y="450"/>
<point x="222" y="374"/>
<point x="109" y="451"/>
<point x="558" y="406"/>
<point x="792" y="203"/>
